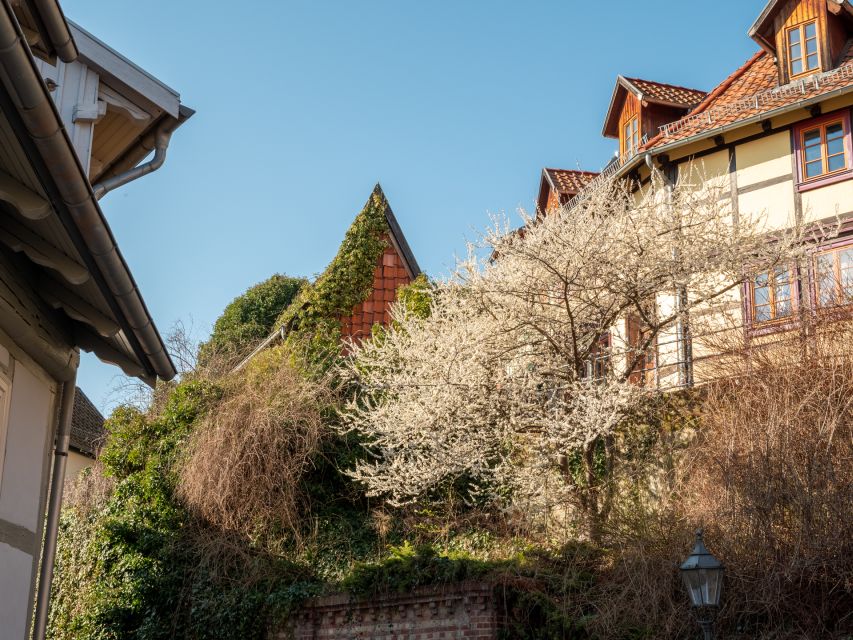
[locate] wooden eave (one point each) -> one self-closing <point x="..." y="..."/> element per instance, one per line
<point x="617" y="100"/>
<point x="545" y="185"/>
<point x="398" y="239"/>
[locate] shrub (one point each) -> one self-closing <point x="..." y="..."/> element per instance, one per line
<point x="250" y="317"/>
<point x="245" y="462"/>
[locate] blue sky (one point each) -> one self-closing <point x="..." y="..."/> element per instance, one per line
<point x="303" y="105"/>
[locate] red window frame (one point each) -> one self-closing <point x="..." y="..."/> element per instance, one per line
<point x="822" y="123"/>
<point x="844" y="244"/>
<point x="775" y="323"/>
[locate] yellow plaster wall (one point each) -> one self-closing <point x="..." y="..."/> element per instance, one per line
<point x="825" y="202"/>
<point x="775" y="203"/>
<point x="713" y="169"/>
<point x="763" y="159"/>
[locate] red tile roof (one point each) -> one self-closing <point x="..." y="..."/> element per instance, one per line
<point x="569" y="182"/>
<point x="752" y="91"/>
<point x="668" y="93"/>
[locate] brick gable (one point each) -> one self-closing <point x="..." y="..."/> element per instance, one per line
<point x="389" y="275"/>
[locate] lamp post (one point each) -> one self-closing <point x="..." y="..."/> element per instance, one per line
<point x="703" y="576"/>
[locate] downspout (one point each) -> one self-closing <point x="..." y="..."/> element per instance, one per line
<point x="161" y="144"/>
<point x="78" y="208"/>
<point x="57" y="485"/>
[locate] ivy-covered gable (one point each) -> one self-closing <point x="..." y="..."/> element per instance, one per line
<point x="359" y="285"/>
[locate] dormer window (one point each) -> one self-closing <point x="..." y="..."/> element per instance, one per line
<point x="803" y="56"/>
<point x="639" y="108"/>
<point x="631" y="136"/>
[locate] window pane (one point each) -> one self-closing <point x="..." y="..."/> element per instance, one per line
<point x="836" y="162"/>
<point x="811" y="61"/>
<point x="783" y="308"/>
<point x="814" y="169"/>
<point x="811" y="30"/>
<point x="797" y="67"/>
<point x="826" y="279"/>
<point x="762" y="314"/>
<point x="812" y="153"/>
<point x="793" y="36"/>
<point x="811" y="137"/>
<point x="796" y="52"/>
<point x="811" y="47"/>
<point x="846" y="263"/>
<point x="834" y="131"/>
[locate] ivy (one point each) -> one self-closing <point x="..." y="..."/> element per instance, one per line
<point x="313" y="318"/>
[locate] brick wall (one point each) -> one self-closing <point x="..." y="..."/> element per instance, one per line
<point x="466" y="610"/>
<point x="389" y="274"/>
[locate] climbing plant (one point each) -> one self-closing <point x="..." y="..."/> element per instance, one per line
<point x="313" y="319"/>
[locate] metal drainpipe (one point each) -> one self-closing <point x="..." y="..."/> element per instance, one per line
<point x="161" y="144"/>
<point x="57" y="485"/>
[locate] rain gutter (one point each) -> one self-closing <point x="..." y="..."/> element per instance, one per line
<point x="57" y="29"/>
<point x="709" y="133"/>
<point x="74" y="199"/>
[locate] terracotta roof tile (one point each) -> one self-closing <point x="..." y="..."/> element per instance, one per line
<point x="668" y="93"/>
<point x="752" y="91"/>
<point x="569" y="182"/>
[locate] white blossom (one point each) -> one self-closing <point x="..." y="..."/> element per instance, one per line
<point x="491" y="390"/>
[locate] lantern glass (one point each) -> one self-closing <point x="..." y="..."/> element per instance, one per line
<point x="704" y="586"/>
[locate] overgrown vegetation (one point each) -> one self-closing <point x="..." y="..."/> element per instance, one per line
<point x="249" y="318"/>
<point x="217" y="512"/>
<point x="312" y="320"/>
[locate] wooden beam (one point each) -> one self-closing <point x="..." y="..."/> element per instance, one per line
<point x="60" y="297"/>
<point x="93" y="343"/>
<point x="28" y="203"/>
<point x="21" y="239"/>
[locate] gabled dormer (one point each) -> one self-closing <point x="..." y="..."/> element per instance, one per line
<point x="804" y="36"/>
<point x="639" y="107"/>
<point x="558" y="186"/>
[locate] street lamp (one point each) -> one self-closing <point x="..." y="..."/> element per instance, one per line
<point x="703" y="576"/>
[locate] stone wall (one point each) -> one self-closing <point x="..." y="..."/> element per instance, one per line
<point x="466" y="610"/>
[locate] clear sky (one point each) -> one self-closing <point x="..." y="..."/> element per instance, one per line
<point x="303" y="105"/>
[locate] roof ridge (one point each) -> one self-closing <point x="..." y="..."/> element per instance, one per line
<point x="572" y="170"/>
<point x="667" y="84"/>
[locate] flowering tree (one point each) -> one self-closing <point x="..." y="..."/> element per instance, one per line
<point x="494" y="391"/>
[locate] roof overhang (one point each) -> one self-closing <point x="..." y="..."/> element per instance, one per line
<point x="398" y="239"/>
<point x="620" y="92"/>
<point x="122" y="74"/>
<point x="45" y="28"/>
<point x="762" y="29"/>
<point x="545" y="186"/>
<point x="91" y="268"/>
<point x="667" y="149"/>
